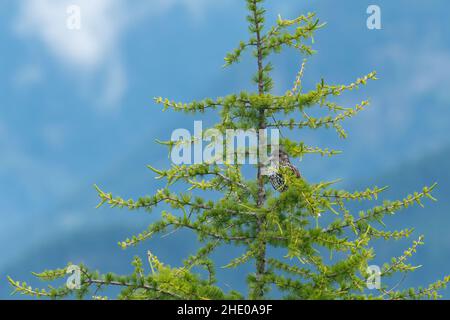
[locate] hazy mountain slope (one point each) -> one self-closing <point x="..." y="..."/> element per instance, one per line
<point x="96" y="246"/>
<point x="431" y="221"/>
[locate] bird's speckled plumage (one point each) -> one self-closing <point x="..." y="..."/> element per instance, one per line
<point x="277" y="179"/>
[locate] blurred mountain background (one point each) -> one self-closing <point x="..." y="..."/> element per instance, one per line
<point x="77" y="109"/>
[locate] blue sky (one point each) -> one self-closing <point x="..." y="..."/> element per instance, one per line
<point x="76" y="103"/>
<point x="76" y="106"/>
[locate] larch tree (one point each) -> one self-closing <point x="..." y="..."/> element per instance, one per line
<point x="249" y="213"/>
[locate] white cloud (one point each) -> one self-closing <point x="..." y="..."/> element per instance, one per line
<point x="410" y="107"/>
<point x="115" y="84"/>
<point x="86" y="48"/>
<point x="95" y="48"/>
<point x="426" y="68"/>
<point x="92" y="50"/>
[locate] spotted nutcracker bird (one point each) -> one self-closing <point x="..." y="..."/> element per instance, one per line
<point x="276" y="178"/>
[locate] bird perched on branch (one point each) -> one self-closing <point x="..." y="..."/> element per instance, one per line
<point x="277" y="177"/>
